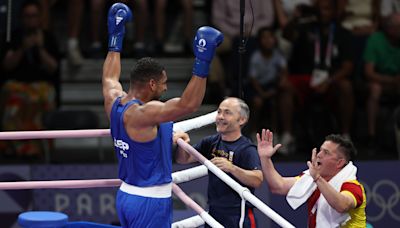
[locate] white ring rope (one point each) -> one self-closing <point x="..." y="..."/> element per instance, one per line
<point x="54" y="134"/>
<point x="194" y="221"/>
<point x="178" y="177"/>
<point x="189" y="174"/>
<point x="195" y="123"/>
<point x="60" y="184"/>
<point x="185" y="125"/>
<point x="244" y="192"/>
<point x="203" y="214"/>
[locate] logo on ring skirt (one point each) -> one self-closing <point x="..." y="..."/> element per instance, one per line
<point x="13" y="202"/>
<point x="384" y="196"/>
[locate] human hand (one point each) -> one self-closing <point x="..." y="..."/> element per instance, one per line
<point x="223" y="163"/>
<point x="313" y="165"/>
<point x="265" y="146"/>
<point x="181" y="135"/>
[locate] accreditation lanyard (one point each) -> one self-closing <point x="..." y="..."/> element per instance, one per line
<point x="329" y="47"/>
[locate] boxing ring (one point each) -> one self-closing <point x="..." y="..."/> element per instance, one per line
<point x="178" y="177"/>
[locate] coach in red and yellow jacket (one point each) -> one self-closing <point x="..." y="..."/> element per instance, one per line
<point x="334" y="196"/>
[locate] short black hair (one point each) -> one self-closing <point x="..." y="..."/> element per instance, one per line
<point x="145" y="69"/>
<point x="332" y="6"/>
<point x="345" y="146"/>
<point x="264" y="29"/>
<point x="29" y="3"/>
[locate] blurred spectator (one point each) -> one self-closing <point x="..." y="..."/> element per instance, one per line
<point x="361" y="17"/>
<point x="75" y="21"/>
<point x="226" y="17"/>
<point x="287" y="10"/>
<point x="31" y="66"/>
<point x="217" y="88"/>
<point x="270" y="87"/>
<point x="142" y="23"/>
<point x="389" y="7"/>
<point x="321" y="61"/>
<point x="382" y="69"/>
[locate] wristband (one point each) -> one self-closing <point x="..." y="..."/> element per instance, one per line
<point x="201" y="68"/>
<point x="115" y="42"/>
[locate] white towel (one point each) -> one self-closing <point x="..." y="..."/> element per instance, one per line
<point x="305" y="186"/>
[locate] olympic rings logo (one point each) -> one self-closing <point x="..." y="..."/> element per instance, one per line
<point x="387" y="202"/>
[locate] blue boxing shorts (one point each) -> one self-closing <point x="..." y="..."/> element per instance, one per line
<point x="136" y="211"/>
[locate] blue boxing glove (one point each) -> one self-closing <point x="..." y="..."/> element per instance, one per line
<point x="206" y="41"/>
<point x="118" y="15"/>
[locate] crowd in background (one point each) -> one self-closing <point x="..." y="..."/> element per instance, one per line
<point x="311" y="67"/>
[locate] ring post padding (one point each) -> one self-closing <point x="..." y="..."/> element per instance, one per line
<point x="39" y="219"/>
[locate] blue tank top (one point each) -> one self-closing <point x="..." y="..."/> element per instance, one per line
<point x="141" y="163"/>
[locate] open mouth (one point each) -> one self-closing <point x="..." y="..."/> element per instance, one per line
<point x="318" y="163"/>
<point x="221" y="123"/>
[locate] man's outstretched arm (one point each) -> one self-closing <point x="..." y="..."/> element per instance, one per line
<point x="112" y="88"/>
<point x="277" y="184"/>
<point x="206" y="41"/>
<point x="118" y="15"/>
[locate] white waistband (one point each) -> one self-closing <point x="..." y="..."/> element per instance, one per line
<point x="158" y="191"/>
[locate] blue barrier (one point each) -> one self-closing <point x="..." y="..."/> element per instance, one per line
<point x="39" y="219"/>
<point x="47" y="219"/>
